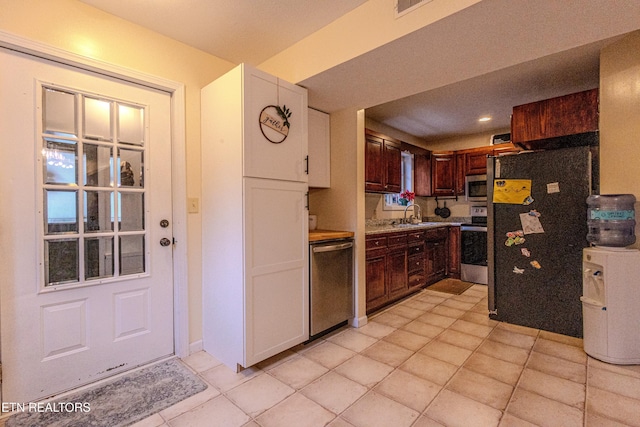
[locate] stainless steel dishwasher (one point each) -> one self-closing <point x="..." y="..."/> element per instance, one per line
<point x="331" y="283"/>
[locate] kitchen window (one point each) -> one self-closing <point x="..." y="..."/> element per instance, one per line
<point x="391" y="201"/>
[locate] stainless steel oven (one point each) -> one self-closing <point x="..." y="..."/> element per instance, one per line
<point x="473" y="246"/>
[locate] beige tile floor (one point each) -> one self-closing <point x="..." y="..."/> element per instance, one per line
<point x="433" y="359"/>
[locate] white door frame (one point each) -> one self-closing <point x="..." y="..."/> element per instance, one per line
<point x="178" y="161"/>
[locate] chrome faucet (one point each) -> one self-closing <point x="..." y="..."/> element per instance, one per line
<point x="404" y="219"/>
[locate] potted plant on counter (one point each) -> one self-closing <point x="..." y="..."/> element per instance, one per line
<point x="406" y="197"/>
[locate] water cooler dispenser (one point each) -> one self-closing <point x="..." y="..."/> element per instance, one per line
<point x="611" y="304"/>
<point x="611" y="282"/>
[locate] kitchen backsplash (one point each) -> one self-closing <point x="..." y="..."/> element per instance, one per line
<point x="459" y="208"/>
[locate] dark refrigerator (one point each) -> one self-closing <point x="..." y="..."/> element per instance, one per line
<point x="535" y="245"/>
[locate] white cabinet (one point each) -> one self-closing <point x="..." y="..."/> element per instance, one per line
<point x="266" y="153"/>
<point x="254" y="218"/>
<point x="319" y="149"/>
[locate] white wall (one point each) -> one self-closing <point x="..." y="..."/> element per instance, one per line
<point x="341" y="207"/>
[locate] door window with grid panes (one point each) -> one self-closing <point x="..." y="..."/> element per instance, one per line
<point x="93" y="194"/>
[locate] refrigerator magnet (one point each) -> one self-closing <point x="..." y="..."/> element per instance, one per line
<point x="525" y="252"/>
<point x="518" y="270"/>
<point x="535" y="264"/>
<point x="553" y="187"/>
<point x="530" y="224"/>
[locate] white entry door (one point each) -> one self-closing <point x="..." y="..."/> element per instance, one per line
<point x="86" y="279"/>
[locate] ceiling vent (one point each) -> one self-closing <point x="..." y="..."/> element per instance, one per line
<point x="405" y="6"/>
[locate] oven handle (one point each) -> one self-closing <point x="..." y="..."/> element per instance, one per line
<point x="331" y="248"/>
<point x="473" y="228"/>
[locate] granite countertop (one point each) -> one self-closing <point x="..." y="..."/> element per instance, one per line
<point x="390" y="226"/>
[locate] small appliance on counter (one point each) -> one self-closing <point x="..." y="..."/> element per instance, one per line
<point x="313" y="222"/>
<point x="611" y="278"/>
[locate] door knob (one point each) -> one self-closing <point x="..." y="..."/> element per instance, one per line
<point x="165" y="242"/>
<point x="164" y="223"/>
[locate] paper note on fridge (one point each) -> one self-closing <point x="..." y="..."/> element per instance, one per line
<point x="512" y="191"/>
<point x="553" y="187"/>
<point x="530" y="224"/>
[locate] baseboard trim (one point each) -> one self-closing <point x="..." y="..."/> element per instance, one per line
<point x="195" y="347"/>
<point x="358" y="322"/>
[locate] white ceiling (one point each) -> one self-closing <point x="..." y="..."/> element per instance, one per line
<point x="433" y="83"/>
<point x="249" y="31"/>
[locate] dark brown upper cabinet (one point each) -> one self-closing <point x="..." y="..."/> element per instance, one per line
<point x="537" y="124"/>
<point x="422" y="174"/>
<point x="443" y="164"/>
<point x="382" y="163"/>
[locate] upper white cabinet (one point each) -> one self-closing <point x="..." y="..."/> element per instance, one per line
<point x="319" y="149"/>
<point x="275" y="147"/>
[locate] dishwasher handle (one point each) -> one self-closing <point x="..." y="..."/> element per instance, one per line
<point x="331" y="248"/>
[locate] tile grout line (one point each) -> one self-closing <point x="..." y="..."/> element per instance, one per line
<point x="515" y="386"/>
<point x="424" y="413"/>
<point x="369" y="389"/>
<point x="396" y="368"/>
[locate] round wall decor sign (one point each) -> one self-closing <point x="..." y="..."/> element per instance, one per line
<point x="274" y="123"/>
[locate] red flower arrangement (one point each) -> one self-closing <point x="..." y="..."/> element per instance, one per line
<point x="407" y="196"/>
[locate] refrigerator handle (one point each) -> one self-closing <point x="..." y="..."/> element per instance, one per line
<point x="491" y="291"/>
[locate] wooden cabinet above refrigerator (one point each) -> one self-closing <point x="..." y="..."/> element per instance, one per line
<point x="537" y="125"/>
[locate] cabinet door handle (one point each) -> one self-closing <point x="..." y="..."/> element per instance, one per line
<point x="307" y="195"/>
<point x="306" y="169"/>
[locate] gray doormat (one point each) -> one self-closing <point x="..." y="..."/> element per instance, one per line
<point x="120" y="402"/>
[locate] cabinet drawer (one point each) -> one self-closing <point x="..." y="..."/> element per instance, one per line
<point x="415" y="264"/>
<point x="397" y="240"/>
<point x="417" y="279"/>
<point x="376" y="242"/>
<point x="415" y="236"/>
<point x="437" y="234"/>
<point x="415" y="249"/>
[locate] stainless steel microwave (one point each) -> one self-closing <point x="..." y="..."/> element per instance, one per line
<point x="475" y="188"/>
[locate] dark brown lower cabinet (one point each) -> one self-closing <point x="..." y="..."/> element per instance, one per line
<point x="377" y="294"/>
<point x="397" y="272"/>
<point x="439" y="260"/>
<point x="401" y="263"/>
<point x="416" y="276"/>
<point x="453" y="252"/>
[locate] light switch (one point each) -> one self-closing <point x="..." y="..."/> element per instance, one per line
<point x="193" y="205"/>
